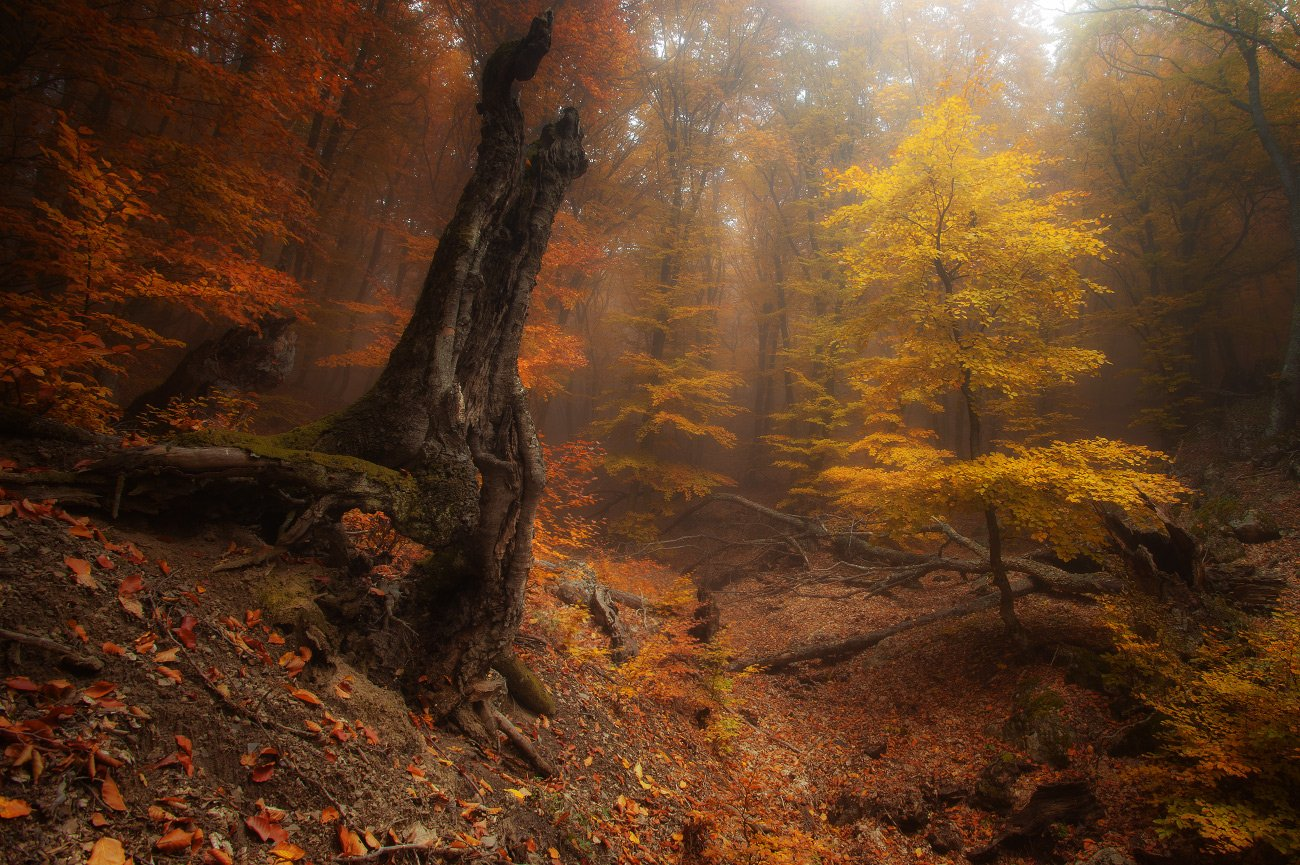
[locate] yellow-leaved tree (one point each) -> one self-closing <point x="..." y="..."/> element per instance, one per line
<point x="964" y="297"/>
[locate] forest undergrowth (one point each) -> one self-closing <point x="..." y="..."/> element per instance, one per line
<point x="163" y="701"/>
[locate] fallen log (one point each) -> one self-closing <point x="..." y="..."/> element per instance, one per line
<point x="579" y="592"/>
<point x="852" y="645"/>
<point x="600" y="602"/>
<point x="1047" y="578"/>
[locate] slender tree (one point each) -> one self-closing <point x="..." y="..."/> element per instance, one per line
<point x="964" y="279"/>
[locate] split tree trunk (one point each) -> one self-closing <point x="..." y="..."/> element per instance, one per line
<point x="449" y="408"/>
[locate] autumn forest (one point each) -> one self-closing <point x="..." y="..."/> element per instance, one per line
<point x="650" y="431"/>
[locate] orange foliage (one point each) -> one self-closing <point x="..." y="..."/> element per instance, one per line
<point x="561" y="530"/>
<point x="91" y="253"/>
<point x="374" y="536"/>
<point x="219" y="410"/>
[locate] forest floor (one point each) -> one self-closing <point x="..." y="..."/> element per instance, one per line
<point x="156" y="706"/>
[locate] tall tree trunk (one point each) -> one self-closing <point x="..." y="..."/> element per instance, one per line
<point x="1286" y="394"/>
<point x="449" y="408"/>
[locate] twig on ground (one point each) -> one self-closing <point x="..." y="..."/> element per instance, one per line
<point x="76" y="659"/>
<point x="426" y="846"/>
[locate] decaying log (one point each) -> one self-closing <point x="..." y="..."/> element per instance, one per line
<point x="578" y="592"/>
<point x="1162" y="561"/>
<point x="600" y="601"/>
<point x="1170" y="563"/>
<point x="1048" y="577"/>
<point x="621" y="641"/>
<point x="1045" y="577"/>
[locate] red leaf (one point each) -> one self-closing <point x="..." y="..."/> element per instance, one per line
<point x="175" y="841"/>
<point x="171" y="673"/>
<point x="100" y="689"/>
<point x="21" y="683"/>
<point x="306" y="696"/>
<point x="265" y="829"/>
<point x="80" y="572"/>
<point x="185" y="631"/>
<point x="107" y="851"/>
<point x="350" y="843"/>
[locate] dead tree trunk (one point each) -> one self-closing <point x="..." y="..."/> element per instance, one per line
<point x="241" y="359"/>
<point x="449" y="408"/>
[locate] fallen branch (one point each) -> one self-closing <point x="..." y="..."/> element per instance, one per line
<point x="1047" y="578"/>
<point x="434" y="847"/>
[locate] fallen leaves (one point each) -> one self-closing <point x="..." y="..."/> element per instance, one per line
<point x="350" y="843"/>
<point x="81" y="575"/>
<point x="185" y="631"/>
<point x="107" y="851"/>
<point x="261" y="764"/>
<point x="127" y="589"/>
<point x="266" y="825"/>
<point x="306" y="696"/>
<point x="176" y="841"/>
<point x="216" y="856"/>
<point x="286" y="852"/>
<point x="13" y="808"/>
<point x="112" y="796"/>
<point x="295" y="662"/>
<point x="21" y="683"/>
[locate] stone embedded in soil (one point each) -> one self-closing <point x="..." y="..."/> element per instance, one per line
<point x="944" y="837"/>
<point x="1254" y="528"/>
<point x="993" y="787"/>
